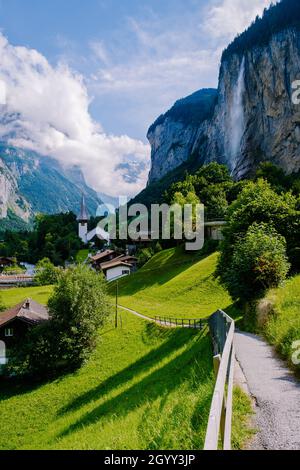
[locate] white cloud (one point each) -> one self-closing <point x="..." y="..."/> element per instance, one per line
<point x="227" y="18"/>
<point x="99" y="50"/>
<point x="171" y="59"/>
<point x="50" y="108"/>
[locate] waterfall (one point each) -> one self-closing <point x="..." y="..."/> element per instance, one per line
<point x="237" y="117"/>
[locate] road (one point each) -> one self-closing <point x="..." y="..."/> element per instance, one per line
<point x="276" y="393"/>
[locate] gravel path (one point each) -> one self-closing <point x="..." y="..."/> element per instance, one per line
<point x="275" y="391"/>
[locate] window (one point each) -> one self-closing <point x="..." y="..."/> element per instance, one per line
<point x="125" y="272"/>
<point x="9" y="332"/>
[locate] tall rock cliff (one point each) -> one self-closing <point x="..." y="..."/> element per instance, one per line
<point x="252" y="116"/>
<point x="173" y="135"/>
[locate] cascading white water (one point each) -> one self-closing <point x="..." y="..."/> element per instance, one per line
<point x="237" y="117"/>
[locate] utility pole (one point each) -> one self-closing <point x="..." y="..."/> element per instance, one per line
<point x="117" y="295"/>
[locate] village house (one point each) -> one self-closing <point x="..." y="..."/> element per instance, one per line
<point x="103" y="257"/>
<point x="15" y="322"/>
<point x="116" y="269"/>
<point x="6" y="262"/>
<point x="113" y="265"/>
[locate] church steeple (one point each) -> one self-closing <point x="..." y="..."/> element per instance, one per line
<point x="83" y="216"/>
<point x="82" y="220"/>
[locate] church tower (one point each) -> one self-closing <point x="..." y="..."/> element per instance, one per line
<point x="82" y="220"/>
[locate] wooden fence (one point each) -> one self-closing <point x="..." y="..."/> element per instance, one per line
<point x="181" y="322"/>
<point x="220" y="417"/>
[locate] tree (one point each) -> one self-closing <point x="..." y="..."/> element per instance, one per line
<point x="46" y="273"/>
<point x="259" y="203"/>
<point x="78" y="308"/>
<point x="259" y="262"/>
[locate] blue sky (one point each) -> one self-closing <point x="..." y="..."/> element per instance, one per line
<point x="134" y="58"/>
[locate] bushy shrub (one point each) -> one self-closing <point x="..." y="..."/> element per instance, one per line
<point x="259" y="203"/>
<point x="78" y="308"/>
<point x="46" y="273"/>
<point x="259" y="262"/>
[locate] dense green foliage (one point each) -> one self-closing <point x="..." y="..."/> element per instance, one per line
<point x="258" y="262"/>
<point x="13" y="223"/>
<point x="212" y="185"/>
<point x="78" y="307"/>
<point x="259" y="203"/>
<point x="192" y="110"/>
<point x="54" y="237"/>
<point x="283" y="15"/>
<point x="46" y="273"/>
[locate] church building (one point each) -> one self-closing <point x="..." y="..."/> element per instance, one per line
<point x="83" y="232"/>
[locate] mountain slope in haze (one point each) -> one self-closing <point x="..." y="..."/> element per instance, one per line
<point x="251" y="117"/>
<point x="31" y="183"/>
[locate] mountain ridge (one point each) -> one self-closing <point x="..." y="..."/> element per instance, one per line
<point x="31" y="184"/>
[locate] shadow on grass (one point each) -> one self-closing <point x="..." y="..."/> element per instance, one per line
<point x="159" y="275"/>
<point x="157" y="384"/>
<point x="175" y="340"/>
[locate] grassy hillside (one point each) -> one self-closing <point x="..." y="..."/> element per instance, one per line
<point x="175" y="284"/>
<point x="125" y="397"/>
<point x="284" y="326"/>
<point x="145" y="387"/>
<point x="14" y="296"/>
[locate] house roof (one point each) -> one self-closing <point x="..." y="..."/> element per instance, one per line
<point x="114" y="264"/>
<point x="128" y="258"/>
<point x="6" y="259"/>
<point x="102" y="255"/>
<point x="28" y="311"/>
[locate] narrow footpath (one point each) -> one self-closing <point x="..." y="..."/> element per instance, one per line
<point x="276" y="393"/>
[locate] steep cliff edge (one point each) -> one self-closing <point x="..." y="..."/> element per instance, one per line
<point x="255" y="119"/>
<point x="173" y="135"/>
<point x="252" y="116"/>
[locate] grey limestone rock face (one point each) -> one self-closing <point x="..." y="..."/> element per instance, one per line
<point x="253" y="117"/>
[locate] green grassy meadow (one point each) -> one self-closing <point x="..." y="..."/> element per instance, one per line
<point x="14" y="296"/>
<point x="283" y="327"/>
<point x="174" y="284"/>
<point x="82" y="255"/>
<point x="144" y="388"/>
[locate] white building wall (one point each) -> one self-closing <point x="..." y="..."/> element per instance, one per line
<point x="82" y="231"/>
<point x="3" y="359"/>
<point x="117" y="271"/>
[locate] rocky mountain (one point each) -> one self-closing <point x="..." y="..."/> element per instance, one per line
<point x="31" y="183"/>
<point x="251" y="117"/>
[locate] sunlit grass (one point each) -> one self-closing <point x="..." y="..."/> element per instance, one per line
<point x="14" y="296"/>
<point x="283" y="327"/>
<point x="174" y="284"/>
<point x="144" y="388"/>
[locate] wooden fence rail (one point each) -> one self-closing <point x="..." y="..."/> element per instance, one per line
<point x="181" y="322"/>
<point x="220" y="417"/>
